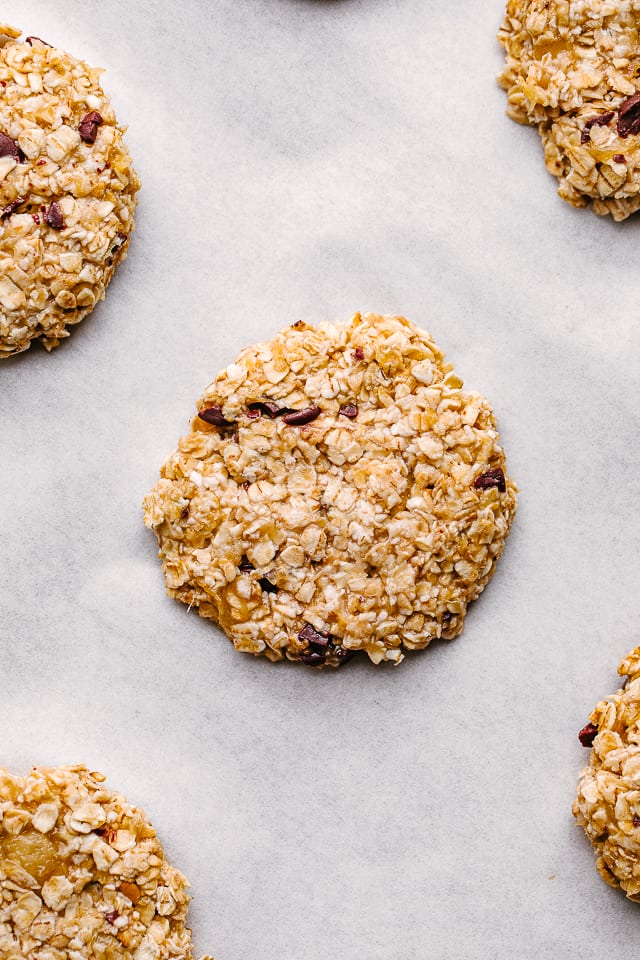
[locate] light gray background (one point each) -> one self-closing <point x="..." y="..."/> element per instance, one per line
<point x="305" y="160"/>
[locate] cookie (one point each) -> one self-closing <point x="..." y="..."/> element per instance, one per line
<point x="572" y="71"/>
<point x="608" y="801"/>
<point x="338" y="492"/>
<point x="67" y="192"/>
<point x="83" y="875"/>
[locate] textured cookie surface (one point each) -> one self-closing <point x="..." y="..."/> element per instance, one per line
<point x="67" y="192"/>
<point x="83" y="875"/>
<point x="608" y="801"/>
<point x="572" y="70"/>
<point x="337" y="492"/>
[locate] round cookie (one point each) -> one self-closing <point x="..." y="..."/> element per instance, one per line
<point x="67" y="192"/>
<point x="608" y="802"/>
<point x="82" y="874"/>
<point x="571" y="69"/>
<point x="338" y="491"/>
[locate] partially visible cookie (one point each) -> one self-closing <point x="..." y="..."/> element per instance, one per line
<point x="608" y="801"/>
<point x="338" y="492"/>
<point x="67" y="192"/>
<point x="83" y="875"/>
<point x="572" y="70"/>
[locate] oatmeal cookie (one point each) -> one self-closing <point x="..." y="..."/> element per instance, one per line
<point x="67" y="192"/>
<point x="572" y="70"/>
<point x="608" y="801"/>
<point x="83" y="875"/>
<point x="338" y="491"/>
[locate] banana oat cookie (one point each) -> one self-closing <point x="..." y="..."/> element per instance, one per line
<point x="67" y="192"/>
<point x="83" y="875"/>
<point x="608" y="801"/>
<point x="338" y="491"/>
<point x="572" y="71"/>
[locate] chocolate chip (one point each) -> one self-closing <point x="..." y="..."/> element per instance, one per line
<point x="447" y="616"/>
<point x="349" y="410"/>
<point x="313" y="659"/>
<point x="491" y="478"/>
<point x="267" y="586"/>
<point x="112" y="916"/>
<point x="214" y="416"/>
<point x="619" y="158"/>
<point x="600" y="121"/>
<point x="269" y="407"/>
<point x="12" y="207"/>
<point x="299" y="417"/>
<point x="317" y="639"/>
<point x="88" y="126"/>
<point x="53" y="216"/>
<point x="9" y="148"/>
<point x="636" y="821"/>
<point x="245" y="565"/>
<point x="43" y="42"/>
<point x="629" y="116"/>
<point x="587" y="735"/>
<point x="358" y="353"/>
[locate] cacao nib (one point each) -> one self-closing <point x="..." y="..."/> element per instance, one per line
<point x="313" y="659"/>
<point x="214" y="416"/>
<point x="299" y="417"/>
<point x="358" y="353"/>
<point x="343" y="655"/>
<point x="600" y="121"/>
<point x="53" y="217"/>
<point x="112" y="916"/>
<point x="270" y="408"/>
<point x="349" y="410"/>
<point x="267" y="586"/>
<point x="119" y="239"/>
<point x="88" y="126"/>
<point x="629" y="116"/>
<point x="30" y="40"/>
<point x="245" y="565"/>
<point x="317" y="640"/>
<point x="107" y="832"/>
<point x="587" y="735"/>
<point x="9" y="148"/>
<point x="12" y="207"/>
<point x="491" y="478"/>
<point x="619" y="158"/>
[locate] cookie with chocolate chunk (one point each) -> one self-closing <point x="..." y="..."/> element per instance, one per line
<point x="67" y="192"/>
<point x="338" y="492"/>
<point x="572" y="71"/>
<point x="82" y="873"/>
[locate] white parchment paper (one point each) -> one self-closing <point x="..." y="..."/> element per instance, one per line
<point x="306" y="160"/>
